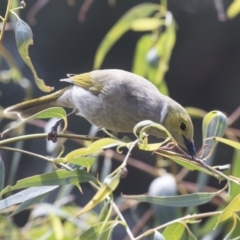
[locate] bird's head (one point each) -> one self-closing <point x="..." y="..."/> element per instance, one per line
<point x="179" y="124"/>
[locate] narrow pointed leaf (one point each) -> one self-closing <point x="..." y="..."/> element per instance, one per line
<point x="191" y="165"/>
<point x="214" y="125"/>
<point x="109" y="185"/>
<point x="228" y="142"/>
<point x="28" y="203"/>
<point x="174" y="231"/>
<point x="93" y="148"/>
<point x="232" y="208"/>
<point x="234" y="9"/>
<point x="25" y="195"/>
<point x="142" y="47"/>
<point x="24" y="38"/>
<point x="121" y="27"/>
<point x="83" y="161"/>
<point x="196" y="112"/>
<point x="59" y="177"/>
<point x="187" y="200"/>
<point x="235" y="189"/>
<point x="146" y="24"/>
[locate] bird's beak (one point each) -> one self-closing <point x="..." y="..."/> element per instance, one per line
<point x="190" y="147"/>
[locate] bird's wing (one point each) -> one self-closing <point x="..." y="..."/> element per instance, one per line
<point x="85" y="81"/>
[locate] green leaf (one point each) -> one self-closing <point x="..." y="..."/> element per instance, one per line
<point x="164" y="47"/>
<point x="196" y="112"/>
<point x="109" y="185"/>
<point x="232" y="208"/>
<point x="28" y="203"/>
<point x="174" y="231"/>
<point x="234" y="9"/>
<point x="93" y="148"/>
<point x="81" y="161"/>
<point x="146" y="24"/>
<point x="121" y="27"/>
<point x="25" y="195"/>
<point x="2" y="174"/>
<point x="235" y="189"/>
<point x="47" y="113"/>
<point x="228" y="142"/>
<point x="139" y="61"/>
<point x="106" y="211"/>
<point x="191" y="165"/>
<point x="214" y="125"/>
<point x="59" y="177"/>
<point x="98" y="229"/>
<point x="187" y="200"/>
<point x="24" y="38"/>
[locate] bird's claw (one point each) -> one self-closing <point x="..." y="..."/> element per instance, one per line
<point x="52" y="135"/>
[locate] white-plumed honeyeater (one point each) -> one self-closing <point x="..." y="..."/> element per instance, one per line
<point x="116" y="100"/>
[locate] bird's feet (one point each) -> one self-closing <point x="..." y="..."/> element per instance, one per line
<point x="52" y="135"/>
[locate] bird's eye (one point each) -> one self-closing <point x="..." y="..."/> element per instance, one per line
<point x="183" y="126"/>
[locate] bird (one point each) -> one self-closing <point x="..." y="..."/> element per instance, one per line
<point x="116" y="100"/>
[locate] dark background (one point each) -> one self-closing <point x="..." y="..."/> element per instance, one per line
<point x="204" y="68"/>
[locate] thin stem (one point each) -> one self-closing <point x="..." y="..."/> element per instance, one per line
<point x="117" y="212"/>
<point x="26" y="152"/>
<point x="36" y="155"/>
<point x="44" y="135"/>
<point x="4" y="22"/>
<point x="188" y="217"/>
<point x="124" y="163"/>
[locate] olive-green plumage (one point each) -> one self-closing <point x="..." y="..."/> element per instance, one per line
<point x="116" y="100"/>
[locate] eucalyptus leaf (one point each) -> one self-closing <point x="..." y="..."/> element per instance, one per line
<point x="234" y="9"/>
<point x="228" y="142"/>
<point x="24" y="38"/>
<point x="28" y="203"/>
<point x="146" y="24"/>
<point x="187" y="200"/>
<point x="141" y="50"/>
<point x="191" y="165"/>
<point x="232" y="208"/>
<point x="121" y="27"/>
<point x="25" y="195"/>
<point x="214" y="125"/>
<point x="235" y="189"/>
<point x="109" y="185"/>
<point x="93" y="148"/>
<point x="174" y="231"/>
<point x="59" y="177"/>
<point x="196" y="112"/>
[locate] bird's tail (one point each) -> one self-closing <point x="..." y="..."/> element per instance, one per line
<point x="30" y="107"/>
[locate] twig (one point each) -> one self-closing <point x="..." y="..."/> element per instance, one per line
<point x="188" y="217"/>
<point x="34" y="11"/>
<point x="44" y="135"/>
<point x="5" y="22"/>
<point x="83" y="10"/>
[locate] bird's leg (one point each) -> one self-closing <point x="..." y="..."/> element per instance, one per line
<point x="52" y="135"/>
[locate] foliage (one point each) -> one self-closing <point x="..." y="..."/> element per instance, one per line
<point x="64" y="219"/>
